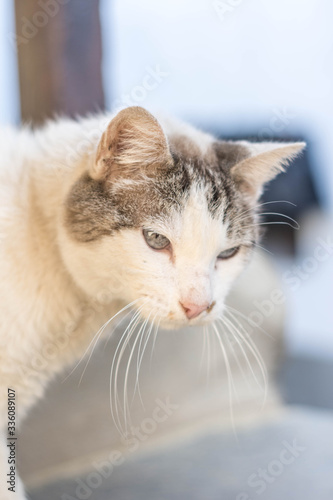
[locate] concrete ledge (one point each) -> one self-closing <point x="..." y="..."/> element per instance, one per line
<point x="290" y="457"/>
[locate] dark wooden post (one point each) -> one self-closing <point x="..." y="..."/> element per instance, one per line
<point x="59" y="57"/>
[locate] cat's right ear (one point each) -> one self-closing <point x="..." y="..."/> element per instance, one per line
<point x="252" y="165"/>
<point x="133" y="143"/>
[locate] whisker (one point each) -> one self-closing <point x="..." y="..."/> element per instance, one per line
<point x="229" y="377"/>
<point x="281" y="223"/>
<point x="246" y="337"/>
<point x="277" y="201"/>
<point x="116" y="361"/>
<point x="140" y="335"/>
<point x="101" y="332"/>
<point x="138" y="366"/>
<point x="253" y="209"/>
<point x="262" y="248"/>
<point x="125" y="392"/>
<point x="98" y="334"/>
<point x="232" y="328"/>
<point x="139" y="359"/>
<point x="248" y="320"/>
<point x="133" y="322"/>
<point x="282" y="215"/>
<point x="116" y="326"/>
<point x="208" y="355"/>
<point x="255" y="352"/>
<point x="234" y="351"/>
<point x="154" y="340"/>
<point x="129" y="334"/>
<point x="204" y="341"/>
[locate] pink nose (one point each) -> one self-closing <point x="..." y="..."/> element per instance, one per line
<point x="193" y="310"/>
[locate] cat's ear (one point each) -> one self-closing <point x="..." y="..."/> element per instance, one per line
<point x="132" y="143"/>
<point x="263" y="162"/>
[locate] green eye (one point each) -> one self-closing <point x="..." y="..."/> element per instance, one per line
<point x="155" y="240"/>
<point x="227" y="254"/>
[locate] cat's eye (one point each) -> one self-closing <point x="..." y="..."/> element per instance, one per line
<point x="155" y="240"/>
<point x="227" y="254"/>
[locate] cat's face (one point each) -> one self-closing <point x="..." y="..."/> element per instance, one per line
<point x="180" y="256"/>
<point x="167" y="225"/>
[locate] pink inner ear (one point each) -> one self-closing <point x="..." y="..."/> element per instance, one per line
<point x="133" y="140"/>
<point x="266" y="161"/>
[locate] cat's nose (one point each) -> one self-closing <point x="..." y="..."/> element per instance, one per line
<point x="193" y="310"/>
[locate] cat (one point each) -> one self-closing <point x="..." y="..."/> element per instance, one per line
<point x="111" y="212"/>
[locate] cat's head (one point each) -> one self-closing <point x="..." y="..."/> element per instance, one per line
<point x="167" y="217"/>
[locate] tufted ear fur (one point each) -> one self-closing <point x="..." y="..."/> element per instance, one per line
<point x="263" y="162"/>
<point x="133" y="143"/>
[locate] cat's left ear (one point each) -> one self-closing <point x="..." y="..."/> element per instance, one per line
<point x="262" y="162"/>
<point x="133" y="143"/>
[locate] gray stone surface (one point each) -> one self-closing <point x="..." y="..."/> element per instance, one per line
<point x="217" y="466"/>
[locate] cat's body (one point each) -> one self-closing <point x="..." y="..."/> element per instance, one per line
<point x="72" y="251"/>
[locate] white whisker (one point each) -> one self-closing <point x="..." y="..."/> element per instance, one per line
<point x="121" y="320"/>
<point x="248" y="320"/>
<point x="232" y="328"/>
<point x="255" y="352"/>
<point x="229" y="377"/>
<point x="281" y="223"/>
<point x="116" y="361"/>
<point x="222" y="320"/>
<point x="234" y="355"/>
<point x="96" y="337"/>
<point x="262" y="248"/>
<point x="154" y="340"/>
<point x="204" y="347"/>
<point x="139" y="360"/>
<point x="125" y="392"/>
<point x="129" y="334"/>
<point x="208" y="355"/>
<point x="254" y="209"/>
<point x="282" y="215"/>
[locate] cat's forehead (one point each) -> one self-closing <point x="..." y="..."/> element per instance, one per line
<point x="203" y="171"/>
<point x="196" y="182"/>
<point x="192" y="228"/>
<point x="192" y="180"/>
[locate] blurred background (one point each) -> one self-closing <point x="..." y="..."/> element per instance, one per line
<point x="240" y="69"/>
